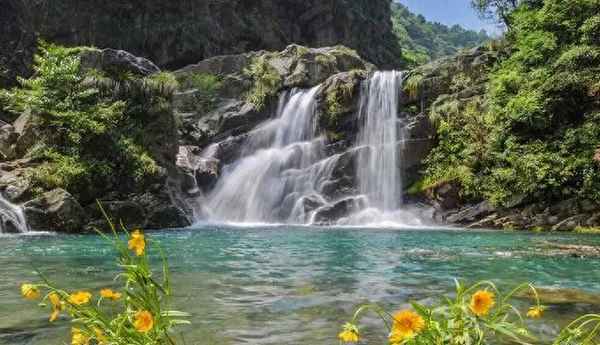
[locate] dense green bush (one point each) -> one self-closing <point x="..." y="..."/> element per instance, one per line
<point x="206" y="88"/>
<point x="541" y="126"/>
<point x="91" y="123"/>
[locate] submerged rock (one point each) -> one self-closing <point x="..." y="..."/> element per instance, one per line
<point x="330" y="214"/>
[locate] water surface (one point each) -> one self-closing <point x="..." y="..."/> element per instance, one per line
<point x="291" y="285"/>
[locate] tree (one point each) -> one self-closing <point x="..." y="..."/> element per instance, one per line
<point x="496" y="9"/>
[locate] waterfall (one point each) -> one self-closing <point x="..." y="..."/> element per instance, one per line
<point x="379" y="168"/>
<point x="283" y="166"/>
<point x="284" y="174"/>
<point x="379" y="164"/>
<point x="12" y="219"/>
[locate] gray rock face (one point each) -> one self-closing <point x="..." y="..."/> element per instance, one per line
<point x="55" y="210"/>
<point x="176" y="33"/>
<point x="17" y="44"/>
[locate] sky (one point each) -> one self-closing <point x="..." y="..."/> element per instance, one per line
<point x="450" y="12"/>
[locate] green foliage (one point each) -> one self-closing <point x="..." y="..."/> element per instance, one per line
<point x="91" y="122"/>
<point x="413" y="84"/>
<point x="423" y="41"/>
<point x="334" y="102"/>
<point x="477" y="314"/>
<point x="206" y="87"/>
<point x="496" y="9"/>
<point x="534" y="135"/>
<point x="267" y="81"/>
<point x="138" y="313"/>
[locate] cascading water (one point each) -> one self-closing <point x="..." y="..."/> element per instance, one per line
<point x="379" y="165"/>
<point x="12" y="219"/>
<point x="282" y="166"/>
<point x="283" y="169"/>
<point x="379" y="170"/>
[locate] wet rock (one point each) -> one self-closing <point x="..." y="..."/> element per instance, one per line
<point x="575" y="250"/>
<point x="228" y="150"/>
<point x="342" y="182"/>
<point x="329" y="214"/>
<point x="562" y="296"/>
<point x="55" y="210"/>
<point x="305" y="206"/>
<point x="198" y="173"/>
<point x="208" y="172"/>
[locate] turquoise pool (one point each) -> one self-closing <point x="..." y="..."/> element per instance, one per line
<point x="292" y="285"/>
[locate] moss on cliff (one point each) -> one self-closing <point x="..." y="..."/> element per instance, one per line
<point x="266" y="81"/>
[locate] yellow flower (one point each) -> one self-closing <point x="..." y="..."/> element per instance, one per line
<point x="137" y="242"/>
<point x="30" y="292"/>
<point x="100" y="337"/>
<point x="406" y="325"/>
<point x="78" y="337"/>
<point x="57" y="305"/>
<point x="80" y="297"/>
<point x="143" y="321"/>
<point x="349" y="333"/>
<point x="535" y="312"/>
<point x="110" y="294"/>
<point x="481" y="302"/>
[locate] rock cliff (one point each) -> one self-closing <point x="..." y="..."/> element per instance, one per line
<point x="180" y="32"/>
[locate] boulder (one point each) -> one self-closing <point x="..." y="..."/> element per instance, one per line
<point x="230" y="118"/>
<point x="162" y="209"/>
<point x="338" y="101"/>
<point x="303" y="207"/>
<point x="208" y="172"/>
<point x="445" y="196"/>
<point x="29" y="131"/>
<point x="117" y="62"/>
<point x="471" y="214"/>
<point x="55" y="210"/>
<point x="128" y="213"/>
<point x="167" y="216"/>
<point x="8" y="139"/>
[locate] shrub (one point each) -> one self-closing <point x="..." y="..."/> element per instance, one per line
<point x="267" y="81"/>
<point x="92" y="124"/>
<point x="206" y="86"/>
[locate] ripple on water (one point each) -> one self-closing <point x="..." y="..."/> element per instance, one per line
<point x="292" y="285"/>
